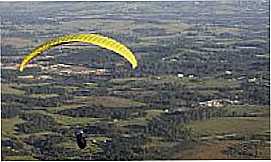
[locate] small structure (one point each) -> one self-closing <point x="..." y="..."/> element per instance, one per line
<point x="252" y="80"/>
<point x="218" y="102"/>
<point x="228" y="72"/>
<point x="44" y="77"/>
<point x="212" y="103"/>
<point x="101" y="71"/>
<point x="180" y="75"/>
<point x="173" y="60"/>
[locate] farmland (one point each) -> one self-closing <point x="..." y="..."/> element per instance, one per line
<point x="201" y="89"/>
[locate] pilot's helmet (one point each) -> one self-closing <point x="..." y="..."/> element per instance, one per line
<point x="79" y="132"/>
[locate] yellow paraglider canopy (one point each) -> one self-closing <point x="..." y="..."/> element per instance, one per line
<point x="94" y="39"/>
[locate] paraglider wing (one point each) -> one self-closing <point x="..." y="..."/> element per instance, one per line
<point x="94" y="39"/>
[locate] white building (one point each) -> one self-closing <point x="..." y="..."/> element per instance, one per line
<point x="191" y="76"/>
<point x="228" y="72"/>
<point x="180" y="75"/>
<point x="252" y="80"/>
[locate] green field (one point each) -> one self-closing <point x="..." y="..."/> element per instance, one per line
<point x="188" y="54"/>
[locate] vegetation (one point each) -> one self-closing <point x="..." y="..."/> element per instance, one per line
<point x="201" y="90"/>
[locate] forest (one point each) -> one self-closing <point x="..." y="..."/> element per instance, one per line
<point x="202" y="83"/>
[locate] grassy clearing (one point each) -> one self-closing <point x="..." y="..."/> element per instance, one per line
<point x="20" y="158"/>
<point x="44" y="96"/>
<point x="206" y="151"/>
<point x="240" y="125"/>
<point x="16" y="42"/>
<point x="99" y="138"/>
<point x="169" y="26"/>
<point x="8" y="89"/>
<point x="134" y="121"/>
<point x="216" y="150"/>
<point x="193" y="83"/>
<point x="62" y="107"/>
<point x="153" y="113"/>
<point x="108" y="101"/>
<point x="21" y="136"/>
<point x="8" y="126"/>
<point x="149" y="80"/>
<point x="51" y="85"/>
<point x="224" y="29"/>
<point x="266" y="56"/>
<point x="248" y="109"/>
<point x="67" y="120"/>
<point x="68" y="144"/>
<point x="124" y="80"/>
<point x="90" y="85"/>
<point x="208" y="83"/>
<point x="103" y="25"/>
<point x="154" y="144"/>
<point x="207" y="92"/>
<point x="218" y="83"/>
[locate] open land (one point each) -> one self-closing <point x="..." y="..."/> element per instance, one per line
<point x="201" y="91"/>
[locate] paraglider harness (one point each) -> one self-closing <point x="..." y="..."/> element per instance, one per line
<point x="80" y="139"/>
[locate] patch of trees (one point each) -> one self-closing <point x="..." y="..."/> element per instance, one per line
<point x="204" y="64"/>
<point x="10" y="110"/>
<point x="166" y="150"/>
<point x="253" y="43"/>
<point x="43" y="89"/>
<point x="257" y="94"/>
<point x="174" y="95"/>
<point x="46" y="147"/>
<point x="134" y="128"/>
<point x="122" y="37"/>
<point x="83" y="92"/>
<point x="122" y="148"/>
<point x="33" y="102"/>
<point x="36" y="122"/>
<point x="9" y="50"/>
<point x="12" y="147"/>
<point x="150" y="32"/>
<point x="9" y="75"/>
<point x="170" y="125"/>
<point x="249" y="150"/>
<point x="101" y="90"/>
<point x="170" y="130"/>
<point x="98" y="129"/>
<point x="103" y="112"/>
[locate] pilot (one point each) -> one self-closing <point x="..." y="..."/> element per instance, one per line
<point x="81" y="141"/>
